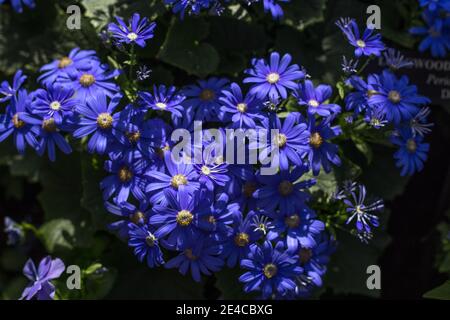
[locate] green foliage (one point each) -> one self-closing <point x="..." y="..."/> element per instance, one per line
<point x="441" y="293"/>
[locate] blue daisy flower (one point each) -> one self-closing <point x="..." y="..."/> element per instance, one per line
<point x="274" y="8"/>
<point x="56" y="102"/>
<point x="164" y="99"/>
<point x="398" y="99"/>
<point x="129" y="215"/>
<point x="7" y="92"/>
<point x="240" y="110"/>
<point x="145" y="245"/>
<point x="202" y="98"/>
<point x="283" y="190"/>
<point x="273" y="80"/>
<point x="434" y="5"/>
<point x="315" y="98"/>
<point x="12" y="123"/>
<point x="322" y="153"/>
<point x="200" y="255"/>
<point x="18" y="4"/>
<point x="368" y="44"/>
<point x="412" y="153"/>
<point x="271" y="270"/>
<point x="77" y="60"/>
<point x="98" y="118"/>
<point x="358" y="101"/>
<point x="136" y="32"/>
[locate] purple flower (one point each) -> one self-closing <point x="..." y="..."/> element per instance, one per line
<point x="200" y="255"/>
<point x="77" y="60"/>
<point x="99" y="119"/>
<point x="145" y="245"/>
<point x="7" y="92"/>
<point x="367" y="44"/>
<point x="164" y="99"/>
<point x="314" y="99"/>
<point x="56" y="102"/>
<point x="273" y="80"/>
<point x="129" y="214"/>
<point x="271" y="270"/>
<point x="40" y="286"/>
<point x="322" y="153"/>
<point x="137" y="30"/>
<point x="241" y="111"/>
<point x="12" y="123"/>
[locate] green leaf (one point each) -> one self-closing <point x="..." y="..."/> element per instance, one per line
<point x="363" y="147"/>
<point x="98" y="281"/>
<point x="97" y="11"/>
<point x="441" y="293"/>
<point x="301" y="14"/>
<point x="57" y="235"/>
<point x="183" y="47"/>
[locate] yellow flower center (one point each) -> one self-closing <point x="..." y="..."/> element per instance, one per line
<point x="49" y="125"/>
<point x="133" y="137"/>
<point x="304" y="255"/>
<point x="313" y="103"/>
<point x="394" y="96"/>
<point x="64" y="62"/>
<point x="104" y="120"/>
<point x="360" y="43"/>
<point x="270" y="270"/>
<point x="285" y="188"/>
<point x="242" y="107"/>
<point x="132" y="36"/>
<point x="207" y="95"/>
<point x="184" y="218"/>
<point x="273" y="77"/>
<point x="241" y="239"/>
<point x="17" y="122"/>
<point x="137" y="217"/>
<point x="178" y="180"/>
<point x="55" y="105"/>
<point x="150" y="240"/>
<point x="206" y="170"/>
<point x="281" y="140"/>
<point x="411" y="145"/>
<point x="371" y="93"/>
<point x="86" y="80"/>
<point x="292" y="221"/>
<point x="161" y="105"/>
<point x="125" y="174"/>
<point x="315" y="140"/>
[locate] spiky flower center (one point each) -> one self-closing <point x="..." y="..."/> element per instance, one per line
<point x="285" y="188"/>
<point x="17" y="122"/>
<point x="49" y="125"/>
<point x="178" y="180"/>
<point x="188" y="253"/>
<point x="281" y="140"/>
<point x="292" y="221"/>
<point x="241" y="107"/>
<point x="184" y="218"/>
<point x="104" y="120"/>
<point x="137" y="217"/>
<point x="270" y="270"/>
<point x="125" y="174"/>
<point x="313" y="103"/>
<point x="360" y="43"/>
<point x="316" y="140"/>
<point x="55" y="105"/>
<point x="207" y="95"/>
<point x="64" y="62"/>
<point x="411" y="145"/>
<point x="86" y="80"/>
<point x="304" y="255"/>
<point x="248" y="189"/>
<point x="206" y="171"/>
<point x="161" y="105"/>
<point x="132" y="36"/>
<point x="241" y="239"/>
<point x="394" y="96"/>
<point x="150" y="240"/>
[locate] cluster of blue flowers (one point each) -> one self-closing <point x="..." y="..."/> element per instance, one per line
<point x="436" y="31"/>
<point x="386" y="99"/>
<point x="216" y="7"/>
<point x="201" y="217"/>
